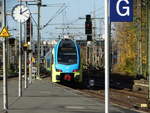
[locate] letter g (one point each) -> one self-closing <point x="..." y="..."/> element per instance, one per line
<point x="127" y="13"/>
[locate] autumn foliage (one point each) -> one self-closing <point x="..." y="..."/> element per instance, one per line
<point x="130" y="41"/>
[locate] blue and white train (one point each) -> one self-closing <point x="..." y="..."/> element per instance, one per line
<point x="65" y="65"/>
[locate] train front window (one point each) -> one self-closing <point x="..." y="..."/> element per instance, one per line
<point x="67" y="53"/>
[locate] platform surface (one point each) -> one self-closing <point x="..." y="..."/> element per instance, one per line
<point x="43" y="96"/>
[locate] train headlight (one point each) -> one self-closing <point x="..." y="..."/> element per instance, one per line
<point x="75" y="70"/>
<point x="58" y="70"/>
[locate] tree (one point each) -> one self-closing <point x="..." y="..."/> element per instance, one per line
<point x="131" y="41"/>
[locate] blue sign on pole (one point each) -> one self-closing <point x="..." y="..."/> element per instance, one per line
<point x="121" y="10"/>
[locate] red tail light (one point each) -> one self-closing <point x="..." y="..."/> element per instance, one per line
<point x="58" y="70"/>
<point x="67" y="77"/>
<point x="76" y="70"/>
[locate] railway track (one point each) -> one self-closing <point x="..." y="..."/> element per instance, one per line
<point x="130" y="93"/>
<point x="124" y="98"/>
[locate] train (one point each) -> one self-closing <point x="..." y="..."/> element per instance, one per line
<point x="65" y="62"/>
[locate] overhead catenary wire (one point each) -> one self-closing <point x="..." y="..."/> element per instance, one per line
<point x="74" y="21"/>
<point x="59" y="11"/>
<point x="34" y="20"/>
<point x="55" y="5"/>
<point x="52" y="19"/>
<point x="97" y="10"/>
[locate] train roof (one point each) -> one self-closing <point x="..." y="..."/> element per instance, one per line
<point x="65" y="42"/>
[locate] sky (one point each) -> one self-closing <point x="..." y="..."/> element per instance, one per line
<point x="73" y="9"/>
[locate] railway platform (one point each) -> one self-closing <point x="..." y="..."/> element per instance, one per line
<point x="42" y="96"/>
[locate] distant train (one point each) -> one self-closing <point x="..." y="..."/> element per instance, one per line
<point x="65" y="62"/>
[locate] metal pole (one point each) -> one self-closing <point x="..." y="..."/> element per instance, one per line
<point x="148" y="53"/>
<point x="5" y="89"/>
<point x="139" y="45"/>
<point x="110" y="47"/>
<point x="38" y="36"/>
<point x="20" y="60"/>
<point x="8" y="55"/>
<point x="25" y="55"/>
<point x="30" y="55"/>
<point x="94" y="22"/>
<point x="107" y="56"/>
<point x="25" y="74"/>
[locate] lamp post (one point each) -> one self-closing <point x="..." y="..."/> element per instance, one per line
<point x="148" y="53"/>
<point x="5" y="90"/>
<point x="25" y="56"/>
<point x="20" y="60"/>
<point x="39" y="39"/>
<point x="107" y="25"/>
